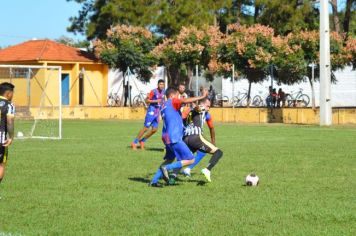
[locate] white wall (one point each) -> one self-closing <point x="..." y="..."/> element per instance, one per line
<point x="343" y="92"/>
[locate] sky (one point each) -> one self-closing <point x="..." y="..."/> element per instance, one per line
<point x="22" y="20"/>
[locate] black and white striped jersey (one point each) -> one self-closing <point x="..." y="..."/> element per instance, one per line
<point x="194" y="122"/>
<point x="7" y="109"/>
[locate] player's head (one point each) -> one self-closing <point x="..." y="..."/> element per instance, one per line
<point x="181" y="88"/>
<point x="7" y="90"/>
<point x="171" y="93"/>
<point x="160" y="84"/>
<point x="205" y="102"/>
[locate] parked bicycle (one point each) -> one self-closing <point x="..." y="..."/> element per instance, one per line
<point x="114" y="99"/>
<point x="139" y="100"/>
<point x="240" y="100"/>
<point x="220" y="99"/>
<point x="297" y="99"/>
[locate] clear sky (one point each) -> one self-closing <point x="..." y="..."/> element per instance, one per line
<point x="22" y="20"/>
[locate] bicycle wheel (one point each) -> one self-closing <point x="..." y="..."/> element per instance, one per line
<point x="257" y="101"/>
<point x="235" y="101"/>
<point x="111" y="101"/>
<point x="289" y="100"/>
<point x="305" y="100"/>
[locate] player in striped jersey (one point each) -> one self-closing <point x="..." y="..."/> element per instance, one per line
<point x="7" y="110"/>
<point x="194" y="121"/>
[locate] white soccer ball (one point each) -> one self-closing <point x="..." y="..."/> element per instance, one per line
<point x="19" y="134"/>
<point x="252" y="180"/>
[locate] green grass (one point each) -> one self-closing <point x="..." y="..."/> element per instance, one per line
<point x="91" y="183"/>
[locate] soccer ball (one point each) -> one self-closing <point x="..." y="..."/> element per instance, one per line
<point x="252" y="180"/>
<point x="19" y="134"/>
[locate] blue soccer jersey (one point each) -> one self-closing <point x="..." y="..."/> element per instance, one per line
<point x="152" y="115"/>
<point x="172" y="131"/>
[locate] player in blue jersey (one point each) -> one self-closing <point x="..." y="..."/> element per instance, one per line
<point x="172" y="136"/>
<point x="155" y="100"/>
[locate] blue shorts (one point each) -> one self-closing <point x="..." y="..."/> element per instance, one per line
<point x="151" y="120"/>
<point x="178" y="150"/>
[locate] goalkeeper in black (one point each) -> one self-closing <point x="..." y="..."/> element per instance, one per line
<point x="6" y="123"/>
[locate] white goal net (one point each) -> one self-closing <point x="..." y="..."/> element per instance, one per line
<point x="37" y="100"/>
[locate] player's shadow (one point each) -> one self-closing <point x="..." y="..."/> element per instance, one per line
<point x="140" y="179"/>
<point x="199" y="182"/>
<point x="153" y="149"/>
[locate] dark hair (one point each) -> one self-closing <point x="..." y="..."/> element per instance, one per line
<point x="181" y="84"/>
<point x="169" y="91"/>
<point x="160" y="81"/>
<point x="6" y="87"/>
<point x="203" y="100"/>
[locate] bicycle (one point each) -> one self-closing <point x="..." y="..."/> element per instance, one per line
<point x="240" y="100"/>
<point x="113" y="99"/>
<point x="220" y="99"/>
<point x="293" y="99"/>
<point x="139" y="100"/>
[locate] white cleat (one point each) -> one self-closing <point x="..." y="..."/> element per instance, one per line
<point x="186" y="172"/>
<point x="206" y="173"/>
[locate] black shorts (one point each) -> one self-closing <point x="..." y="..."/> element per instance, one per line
<point x="3" y="154"/>
<point x="198" y="142"/>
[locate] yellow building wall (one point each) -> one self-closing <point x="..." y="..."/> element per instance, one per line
<point x="48" y="81"/>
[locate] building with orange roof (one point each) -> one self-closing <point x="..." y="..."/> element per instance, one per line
<point x="84" y="79"/>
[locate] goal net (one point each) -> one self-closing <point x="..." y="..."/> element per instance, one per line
<point x="37" y="100"/>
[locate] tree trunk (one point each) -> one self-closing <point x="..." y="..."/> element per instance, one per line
<point x="347" y="18"/>
<point x="256" y="13"/>
<point x="313" y="92"/>
<point x="249" y="94"/>
<point x="336" y="19"/>
<point x="238" y="12"/>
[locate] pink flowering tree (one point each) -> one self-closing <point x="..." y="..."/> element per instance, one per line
<point x="191" y="47"/>
<point x="250" y="50"/>
<point x="128" y="47"/>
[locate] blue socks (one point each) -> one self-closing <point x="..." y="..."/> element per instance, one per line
<point x="157" y="176"/>
<point x="174" y="165"/>
<point x="143" y="140"/>
<point x="198" y="157"/>
<point x="135" y="141"/>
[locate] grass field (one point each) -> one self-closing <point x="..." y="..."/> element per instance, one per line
<point x="91" y="183"/>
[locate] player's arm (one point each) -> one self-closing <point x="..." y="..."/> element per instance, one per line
<point x="150" y="100"/>
<point x="195" y="99"/>
<point x="10" y="125"/>
<point x="209" y="122"/>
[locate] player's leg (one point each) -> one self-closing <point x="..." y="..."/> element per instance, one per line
<point x="3" y="159"/>
<point x="194" y="143"/>
<point x="184" y="157"/>
<point x="216" y="156"/>
<point x="146" y="125"/>
<point x="168" y="159"/>
<point x="154" y="125"/>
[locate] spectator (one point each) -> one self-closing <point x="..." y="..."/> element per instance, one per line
<point x="274" y="97"/>
<point x="127" y="93"/>
<point x="269" y="97"/>
<point x="281" y="98"/>
<point x="212" y="95"/>
<point x="182" y="94"/>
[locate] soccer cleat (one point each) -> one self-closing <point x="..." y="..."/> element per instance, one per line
<point x="186" y="172"/>
<point x="165" y="173"/>
<point x="155" y="185"/>
<point x="206" y="173"/>
<point x="133" y="146"/>
<point x="142" y="144"/>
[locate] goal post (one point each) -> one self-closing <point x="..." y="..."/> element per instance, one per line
<point x="37" y="100"/>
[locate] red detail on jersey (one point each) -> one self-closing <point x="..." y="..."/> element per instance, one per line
<point x="209" y="122"/>
<point x="176" y="103"/>
<point x="151" y="94"/>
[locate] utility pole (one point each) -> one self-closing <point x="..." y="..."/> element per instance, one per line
<point x="325" y="74"/>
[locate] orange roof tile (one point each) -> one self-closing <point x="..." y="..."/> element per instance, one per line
<point x="44" y="50"/>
